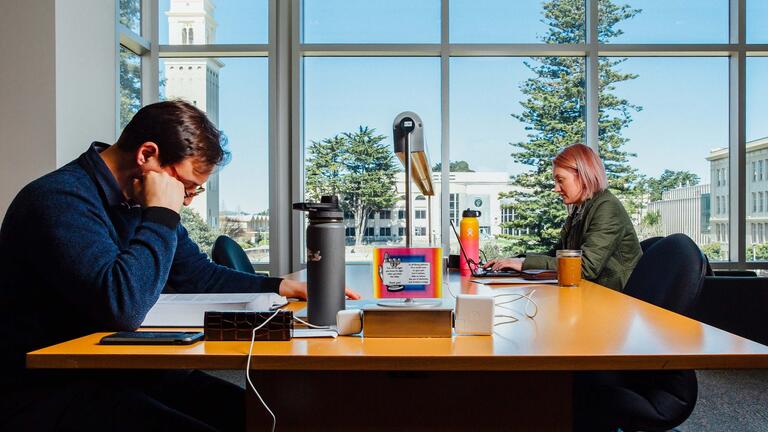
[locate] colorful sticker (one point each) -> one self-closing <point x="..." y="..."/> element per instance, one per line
<point x="407" y="272"/>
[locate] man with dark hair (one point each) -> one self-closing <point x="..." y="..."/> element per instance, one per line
<point x="90" y="247"/>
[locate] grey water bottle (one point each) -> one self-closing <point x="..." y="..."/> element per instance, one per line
<point x="325" y="259"/>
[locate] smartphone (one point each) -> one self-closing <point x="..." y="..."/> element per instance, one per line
<point x="152" y="338"/>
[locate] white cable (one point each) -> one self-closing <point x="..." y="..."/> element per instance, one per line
<point x="517" y="296"/>
<point x="248" y="368"/>
<point x="448" y="285"/>
<point x="311" y="325"/>
<point x="509" y="321"/>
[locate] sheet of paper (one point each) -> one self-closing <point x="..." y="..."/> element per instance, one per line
<point x="188" y="310"/>
<point x="512" y="281"/>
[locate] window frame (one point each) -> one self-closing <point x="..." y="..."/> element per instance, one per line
<point x="285" y="51"/>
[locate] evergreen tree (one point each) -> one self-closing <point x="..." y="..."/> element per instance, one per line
<point x="455" y="166"/>
<point x="358" y="167"/>
<point x="198" y="230"/>
<point x="554" y="116"/>
<point x="130" y="66"/>
<point x="669" y="180"/>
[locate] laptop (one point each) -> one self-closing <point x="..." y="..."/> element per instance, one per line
<point x="479" y="272"/>
<point x="477" y="269"/>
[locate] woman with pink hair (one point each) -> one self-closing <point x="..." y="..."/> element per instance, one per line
<point x="597" y="223"/>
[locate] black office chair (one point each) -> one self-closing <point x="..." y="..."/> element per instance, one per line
<point x="228" y="253"/>
<point x="669" y="275"/>
<point x="735" y="273"/>
<point x="647" y="243"/>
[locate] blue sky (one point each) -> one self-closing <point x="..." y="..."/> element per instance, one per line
<point x="684" y="100"/>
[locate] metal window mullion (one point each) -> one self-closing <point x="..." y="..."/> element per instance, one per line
<point x="116" y="66"/>
<point x="272" y="135"/>
<point x="279" y="157"/>
<point x="737" y="135"/>
<point x="129" y="39"/>
<point x="355" y="50"/>
<point x="592" y="77"/>
<point x="528" y="49"/>
<point x="215" y="50"/>
<point x="757" y="50"/>
<point x="296" y="113"/>
<point x="445" y="118"/>
<point x="150" y="64"/>
<point x="665" y="50"/>
<point x="517" y="50"/>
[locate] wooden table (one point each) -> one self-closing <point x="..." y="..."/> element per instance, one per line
<point x="523" y="371"/>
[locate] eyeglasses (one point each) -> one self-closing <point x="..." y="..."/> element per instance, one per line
<point x="187" y="194"/>
<point x="198" y="190"/>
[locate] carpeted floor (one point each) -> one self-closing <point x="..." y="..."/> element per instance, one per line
<point x="732" y="401"/>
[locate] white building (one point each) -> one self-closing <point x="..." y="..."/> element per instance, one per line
<point x="468" y="190"/>
<point x="756" y="192"/>
<point x="702" y="211"/>
<point x="251" y="227"/>
<point x="685" y="210"/>
<point x="191" y="22"/>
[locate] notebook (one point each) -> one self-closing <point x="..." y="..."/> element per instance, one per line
<point x="188" y="310"/>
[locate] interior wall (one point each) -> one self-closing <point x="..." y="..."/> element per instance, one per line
<point x="86" y="76"/>
<point x="27" y="95"/>
<point x="58" y="81"/>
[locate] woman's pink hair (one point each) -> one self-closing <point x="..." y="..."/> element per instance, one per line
<point x="588" y="167"/>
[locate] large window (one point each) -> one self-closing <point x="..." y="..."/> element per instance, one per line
<point x="668" y="21"/>
<point x="501" y="87"/>
<point x="504" y="110"/>
<point x="677" y="142"/>
<point x="350" y="104"/>
<point x="757" y="157"/>
<point x="391" y="21"/>
<point x="130" y="85"/>
<point x="130" y="51"/>
<point x="225" y="22"/>
<point x="757" y="14"/>
<point x="504" y="21"/>
<point x="234" y="93"/>
<point x="130" y="15"/>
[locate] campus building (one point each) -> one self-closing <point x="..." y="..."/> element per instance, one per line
<point x="196" y="80"/>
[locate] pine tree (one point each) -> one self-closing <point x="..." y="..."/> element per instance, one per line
<point x="357" y="166"/>
<point x="130" y="66"/>
<point x="554" y="116"/>
<point x="198" y="230"/>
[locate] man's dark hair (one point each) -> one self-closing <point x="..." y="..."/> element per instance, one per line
<point x="179" y="129"/>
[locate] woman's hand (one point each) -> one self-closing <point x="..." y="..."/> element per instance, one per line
<point x="505" y="263"/>
<point x="296" y="289"/>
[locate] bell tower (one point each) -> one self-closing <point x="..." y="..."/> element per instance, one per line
<point x="196" y="80"/>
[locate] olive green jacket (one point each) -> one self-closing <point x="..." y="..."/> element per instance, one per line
<point x="601" y="228"/>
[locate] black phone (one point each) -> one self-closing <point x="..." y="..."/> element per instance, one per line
<point x="152" y="338"/>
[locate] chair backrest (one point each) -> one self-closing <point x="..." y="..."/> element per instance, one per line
<point x="735" y="273"/>
<point x="647" y="243"/>
<point x="670" y="274"/>
<point x="228" y="253"/>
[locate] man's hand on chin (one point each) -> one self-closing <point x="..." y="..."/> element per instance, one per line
<point x="296" y="289"/>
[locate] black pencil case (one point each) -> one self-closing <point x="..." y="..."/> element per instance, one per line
<point x="239" y="325"/>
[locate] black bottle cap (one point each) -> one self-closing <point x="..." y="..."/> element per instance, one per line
<point x="470" y="213"/>
<point x="326" y="210"/>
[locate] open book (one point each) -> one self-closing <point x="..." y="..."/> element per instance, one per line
<point x="188" y="310"/>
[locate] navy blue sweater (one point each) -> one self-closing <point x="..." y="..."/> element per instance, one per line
<point x="75" y="258"/>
